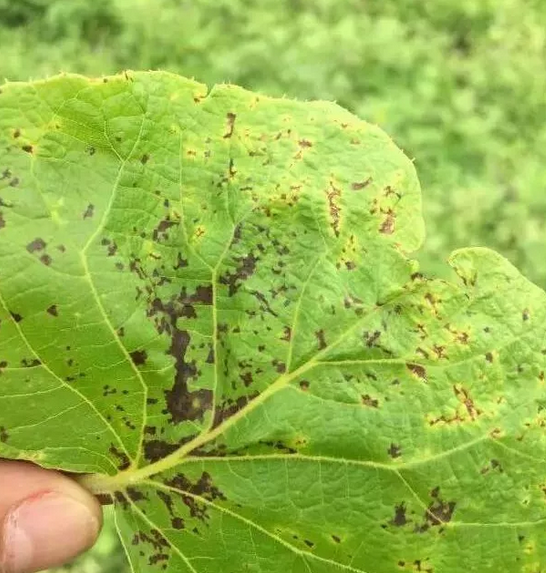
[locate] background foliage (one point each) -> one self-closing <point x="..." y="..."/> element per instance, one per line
<point x="459" y="84"/>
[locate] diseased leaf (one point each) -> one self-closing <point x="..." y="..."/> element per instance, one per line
<point x="206" y="304"/>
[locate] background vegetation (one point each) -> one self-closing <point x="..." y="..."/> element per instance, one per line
<point x="459" y="84"/>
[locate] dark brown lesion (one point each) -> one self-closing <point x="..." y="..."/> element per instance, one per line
<point x="358" y="185"/>
<point x="439" y="512"/>
<point x="123" y="461"/>
<point x="463" y="395"/>
<point x="177" y="522"/>
<point x="89" y="211"/>
<point x="333" y="195"/>
<point x="16" y="316"/>
<point x="370" y="402"/>
<point x="155" y="450"/>
<point x="389" y="222"/>
<point x="417" y="370"/>
<point x="287" y="334"/>
<point x="139" y="357"/>
<point x="190" y="491"/>
<point x="400" y="519"/>
<point x="321" y="339"/>
<point x="202" y="487"/>
<point x="30" y="362"/>
<point x="230" y="407"/>
<point x="245" y="269"/>
<point x="181" y="403"/>
<point x="53" y="310"/>
<point x="230" y="125"/>
<point x="46" y="260"/>
<point x="160" y="233"/>
<point x="394" y="451"/>
<point x="371" y="338"/>
<point x="36" y="245"/>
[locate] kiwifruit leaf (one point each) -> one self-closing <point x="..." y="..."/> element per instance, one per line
<point x="207" y="306"/>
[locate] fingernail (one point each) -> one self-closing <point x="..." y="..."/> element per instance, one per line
<point x="46" y="530"/>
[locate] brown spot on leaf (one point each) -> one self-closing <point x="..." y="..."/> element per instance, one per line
<point x="399" y="519"/>
<point x="333" y="195"/>
<point x="280" y="367"/>
<point x="462" y="337"/>
<point x="231" y="407"/>
<point x="230" y="121"/>
<point x="361" y="184"/>
<point x="139" y="357"/>
<point x="46" y="260"/>
<point x="3" y="435"/>
<point x="52" y="310"/>
<point x="160" y="232"/>
<point x="203" y="487"/>
<point x="321" y="340"/>
<point x="36" y="245"/>
<point x="28" y="148"/>
<point x="287" y="334"/>
<point x="89" y="211"/>
<point x="123" y="461"/>
<point x="135" y="494"/>
<point x="464" y="397"/>
<point x="394" y="451"/>
<point x="439" y="351"/>
<point x="144" y="159"/>
<point x="246" y="378"/>
<point x="182" y="404"/>
<point x="180" y="262"/>
<point x="304" y="385"/>
<point x="244" y="270"/>
<point x="371" y="338"/>
<point x="210" y="357"/>
<point x="367" y="400"/>
<point x="525" y="315"/>
<point x="387" y="226"/>
<point x="439" y="512"/>
<point x="418" y="370"/>
<point x="155" y="450"/>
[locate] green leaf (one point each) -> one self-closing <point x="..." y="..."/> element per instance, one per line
<point x="206" y="304"/>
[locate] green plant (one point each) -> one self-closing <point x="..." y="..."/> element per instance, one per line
<point x="216" y="286"/>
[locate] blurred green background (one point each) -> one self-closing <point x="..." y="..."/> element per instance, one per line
<point x="459" y="84"/>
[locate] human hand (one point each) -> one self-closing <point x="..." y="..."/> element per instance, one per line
<point x="46" y="519"/>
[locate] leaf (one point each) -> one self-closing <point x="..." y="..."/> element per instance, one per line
<point x="206" y="304"/>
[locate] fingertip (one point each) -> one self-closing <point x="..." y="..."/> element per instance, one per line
<point x="48" y="518"/>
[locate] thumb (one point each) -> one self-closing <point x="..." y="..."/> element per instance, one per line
<point x="46" y="519"/>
